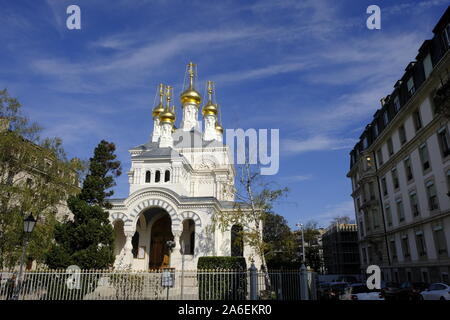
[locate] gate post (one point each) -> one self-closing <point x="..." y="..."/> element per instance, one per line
<point x="304" y="290"/>
<point x="253" y="282"/>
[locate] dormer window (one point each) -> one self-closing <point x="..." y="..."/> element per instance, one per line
<point x="365" y="143"/>
<point x="427" y="66"/>
<point x="385" y="118"/>
<point x="397" y="104"/>
<point x="446" y="35"/>
<point x="411" y="88"/>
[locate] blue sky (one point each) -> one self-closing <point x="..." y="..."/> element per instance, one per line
<point x="310" y="68"/>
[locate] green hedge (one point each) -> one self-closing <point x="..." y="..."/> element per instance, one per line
<point x="222" y="285"/>
<point x="231" y="263"/>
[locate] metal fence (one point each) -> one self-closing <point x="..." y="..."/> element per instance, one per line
<point x="163" y="284"/>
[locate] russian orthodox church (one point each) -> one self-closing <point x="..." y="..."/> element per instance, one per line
<point x="179" y="179"/>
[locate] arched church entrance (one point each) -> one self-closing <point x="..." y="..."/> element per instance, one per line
<point x="160" y="234"/>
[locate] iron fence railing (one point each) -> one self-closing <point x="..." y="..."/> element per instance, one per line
<point x="156" y="285"/>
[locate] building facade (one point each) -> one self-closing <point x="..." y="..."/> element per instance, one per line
<point x="400" y="172"/>
<point x="340" y="249"/>
<point x="179" y="180"/>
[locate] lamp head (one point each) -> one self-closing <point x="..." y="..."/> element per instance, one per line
<point x="29" y="223"/>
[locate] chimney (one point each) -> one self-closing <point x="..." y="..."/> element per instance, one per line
<point x="4" y="124"/>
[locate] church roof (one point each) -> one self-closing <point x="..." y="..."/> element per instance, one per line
<point x="152" y="150"/>
<point x="193" y="139"/>
<point x="182" y="139"/>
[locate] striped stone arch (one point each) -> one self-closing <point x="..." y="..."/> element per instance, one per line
<point x="121" y="216"/>
<point x="176" y="222"/>
<point x="191" y="215"/>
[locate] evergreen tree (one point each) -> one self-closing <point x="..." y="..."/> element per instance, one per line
<point x="88" y="240"/>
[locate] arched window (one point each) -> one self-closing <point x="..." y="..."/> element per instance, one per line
<point x="148" y="176"/>
<point x="167" y="176"/>
<point x="188" y="236"/>
<point x="135" y="243"/>
<point x="237" y="244"/>
<point x="157" y="176"/>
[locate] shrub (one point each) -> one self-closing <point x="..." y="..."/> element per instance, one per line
<point x="229" y="263"/>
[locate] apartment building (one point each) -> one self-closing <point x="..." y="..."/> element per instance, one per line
<point x="400" y="172"/>
<point x="340" y="249"/>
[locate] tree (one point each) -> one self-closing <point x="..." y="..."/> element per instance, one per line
<point x="88" y="240"/>
<point x="35" y="177"/>
<point x="311" y="236"/>
<point x="311" y="233"/>
<point x="255" y="198"/>
<point x="281" y="245"/>
<point x="341" y="220"/>
<point x="442" y="100"/>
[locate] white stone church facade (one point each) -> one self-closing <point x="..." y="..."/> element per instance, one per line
<point x="178" y="180"/>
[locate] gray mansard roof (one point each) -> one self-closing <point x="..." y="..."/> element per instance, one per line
<point x="181" y="140"/>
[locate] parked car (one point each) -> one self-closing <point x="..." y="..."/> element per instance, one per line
<point x="405" y="291"/>
<point x="436" y="291"/>
<point x="331" y="290"/>
<point x="359" y="291"/>
<point x="348" y="279"/>
<point x="388" y="286"/>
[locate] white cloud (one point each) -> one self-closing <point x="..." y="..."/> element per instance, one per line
<point x="131" y="63"/>
<point x="315" y="143"/>
<point x="298" y="178"/>
<point x="262" y="72"/>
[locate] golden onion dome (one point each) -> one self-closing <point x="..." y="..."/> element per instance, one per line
<point x="157" y="110"/>
<point x="210" y="109"/>
<point x="167" y="116"/>
<point x="219" y="128"/>
<point x="190" y="95"/>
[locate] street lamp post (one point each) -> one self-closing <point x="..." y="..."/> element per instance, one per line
<point x="300" y="225"/>
<point x="28" y="226"/>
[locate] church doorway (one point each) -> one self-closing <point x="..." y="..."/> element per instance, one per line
<point x="161" y="232"/>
